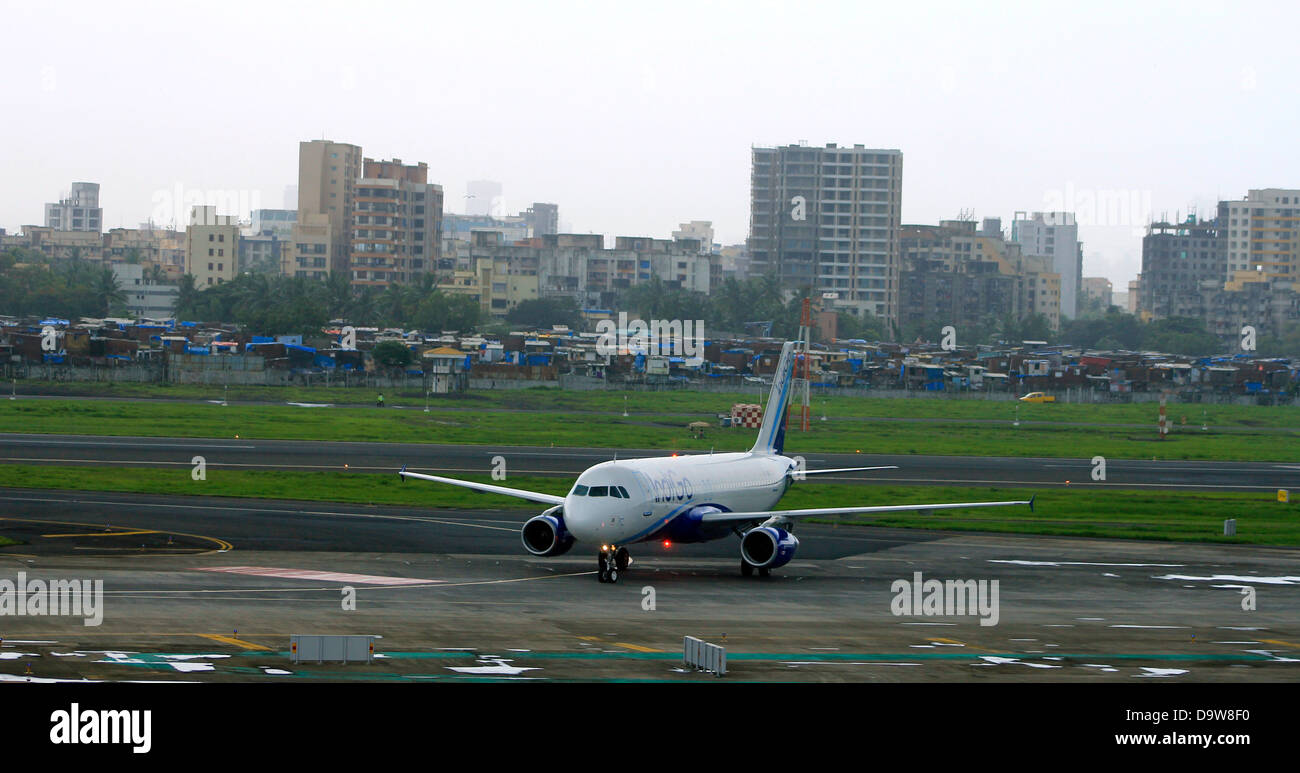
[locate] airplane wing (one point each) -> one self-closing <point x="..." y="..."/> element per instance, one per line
<point x="841" y="469"/>
<point x="532" y="496"/>
<point x="765" y="514"/>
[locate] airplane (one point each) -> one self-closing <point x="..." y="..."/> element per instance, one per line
<point x="689" y="498"/>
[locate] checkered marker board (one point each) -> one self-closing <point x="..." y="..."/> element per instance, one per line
<point x="747" y="415"/>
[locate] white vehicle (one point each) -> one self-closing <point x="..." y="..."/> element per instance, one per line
<point x="682" y="499"/>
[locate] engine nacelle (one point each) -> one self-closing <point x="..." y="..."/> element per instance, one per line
<point x="768" y="547"/>
<point x="545" y="535"/>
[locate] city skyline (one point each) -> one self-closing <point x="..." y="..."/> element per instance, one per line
<point x="1031" y="109"/>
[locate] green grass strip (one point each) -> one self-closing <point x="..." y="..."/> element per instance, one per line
<point x="664" y="431"/>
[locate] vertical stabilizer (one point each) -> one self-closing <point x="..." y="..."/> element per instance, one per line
<point x="771" y="436"/>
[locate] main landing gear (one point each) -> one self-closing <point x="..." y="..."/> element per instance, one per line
<point x="747" y="569"/>
<point x="611" y="561"/>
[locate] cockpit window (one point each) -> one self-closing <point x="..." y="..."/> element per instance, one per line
<point x="580" y="491"/>
<point x="599" y="491"/>
<point x="623" y="492"/>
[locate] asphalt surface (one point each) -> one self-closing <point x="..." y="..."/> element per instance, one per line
<point x="207" y="589"/>
<point x="520" y="460"/>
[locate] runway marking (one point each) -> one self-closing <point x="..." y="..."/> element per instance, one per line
<point x="959" y="643"/>
<point x="248" y="645"/>
<point x="312" y="574"/>
<point x="104" y="533"/>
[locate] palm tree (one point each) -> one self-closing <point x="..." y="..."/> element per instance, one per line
<point x="187" y="299"/>
<point x="107" y="293"/>
<point x="338" y="296"/>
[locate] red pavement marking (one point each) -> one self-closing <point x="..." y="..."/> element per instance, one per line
<point x="311" y="574"/>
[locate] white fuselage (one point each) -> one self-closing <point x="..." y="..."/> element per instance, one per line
<point x="623" y="502"/>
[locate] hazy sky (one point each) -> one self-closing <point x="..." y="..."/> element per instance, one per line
<point x="635" y="117"/>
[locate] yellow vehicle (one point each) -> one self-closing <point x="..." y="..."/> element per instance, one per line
<point x="1038" y="397"/>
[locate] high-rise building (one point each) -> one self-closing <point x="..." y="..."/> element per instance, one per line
<point x="543" y="219"/>
<point x="397" y="224"/>
<point x="80" y="211"/>
<point x="1177" y="258"/>
<point x="327" y="179"/>
<point x="1054" y="235"/>
<point x="211" y="246"/>
<point x="1261" y="234"/>
<point x="829" y="218"/>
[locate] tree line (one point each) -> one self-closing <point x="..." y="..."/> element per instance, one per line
<point x="32" y="284"/>
<point x="277" y="305"/>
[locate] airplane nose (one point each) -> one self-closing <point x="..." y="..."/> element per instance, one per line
<point x="578" y="520"/>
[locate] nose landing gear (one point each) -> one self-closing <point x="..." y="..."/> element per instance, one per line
<point x="610" y="561"/>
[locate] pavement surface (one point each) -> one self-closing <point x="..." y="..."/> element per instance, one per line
<point x="210" y="589"/>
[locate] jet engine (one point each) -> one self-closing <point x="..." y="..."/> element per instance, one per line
<point x="768" y="547"/>
<point x="545" y="535"/>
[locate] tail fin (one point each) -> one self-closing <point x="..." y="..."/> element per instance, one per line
<point x="771" y="436"/>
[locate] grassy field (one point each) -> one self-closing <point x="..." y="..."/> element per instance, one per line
<point x="1192" y="517"/>
<point x="707" y="404"/>
<point x="665" y="430"/>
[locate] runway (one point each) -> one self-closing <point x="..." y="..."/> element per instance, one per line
<point x="206" y="589"/>
<point x="523" y="460"/>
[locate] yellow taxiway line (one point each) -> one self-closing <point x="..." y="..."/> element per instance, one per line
<point x="248" y="645"/>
